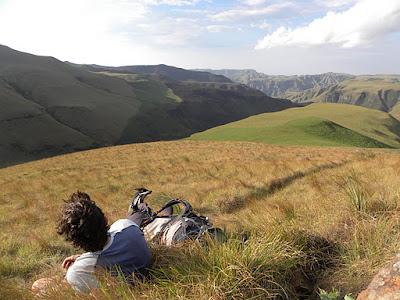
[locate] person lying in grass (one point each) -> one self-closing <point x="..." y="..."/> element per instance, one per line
<point x="120" y="249"/>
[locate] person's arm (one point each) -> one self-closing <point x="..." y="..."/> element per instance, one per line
<point x="69" y="261"/>
<point x="81" y="274"/>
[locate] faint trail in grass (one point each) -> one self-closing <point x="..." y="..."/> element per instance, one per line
<point x="278" y="184"/>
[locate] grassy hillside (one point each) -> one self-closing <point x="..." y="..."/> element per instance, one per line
<point x="316" y="124"/>
<point x="175" y="109"/>
<point x="396" y="111"/>
<point x="314" y="217"/>
<point x="49" y="107"/>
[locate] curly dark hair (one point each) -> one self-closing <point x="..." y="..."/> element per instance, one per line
<point x="83" y="223"/>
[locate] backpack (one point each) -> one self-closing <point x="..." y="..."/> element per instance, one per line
<point x="167" y="228"/>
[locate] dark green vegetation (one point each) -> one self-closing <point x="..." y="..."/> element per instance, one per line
<point x="380" y="92"/>
<point x="316" y="124"/>
<point x="49" y="107"/>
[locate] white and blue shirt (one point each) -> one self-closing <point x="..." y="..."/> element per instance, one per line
<point x="126" y="251"/>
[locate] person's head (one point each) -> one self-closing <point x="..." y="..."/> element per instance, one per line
<point x="83" y="223"/>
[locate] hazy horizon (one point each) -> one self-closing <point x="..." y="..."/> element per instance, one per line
<point x="273" y="37"/>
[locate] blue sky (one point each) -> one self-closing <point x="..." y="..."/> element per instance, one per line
<point x="274" y="37"/>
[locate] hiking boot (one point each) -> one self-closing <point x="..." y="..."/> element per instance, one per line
<point x="138" y="199"/>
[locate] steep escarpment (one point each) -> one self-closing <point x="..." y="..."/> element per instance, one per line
<point x="279" y="85"/>
<point x="382" y="93"/>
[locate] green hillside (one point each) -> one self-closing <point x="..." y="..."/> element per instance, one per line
<point x="317" y="124"/>
<point x="49" y="107"/>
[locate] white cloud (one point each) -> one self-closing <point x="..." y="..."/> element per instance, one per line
<point x="363" y="23"/>
<point x="171" y="2"/>
<point x="169" y="32"/>
<point x="179" y="32"/>
<point x="335" y="3"/>
<point x="264" y="25"/>
<point x="46" y="25"/>
<point x="245" y="12"/>
<point x="214" y="28"/>
<point x="254" y="2"/>
<point x="103" y="31"/>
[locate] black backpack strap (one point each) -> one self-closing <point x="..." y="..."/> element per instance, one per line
<point x="186" y="210"/>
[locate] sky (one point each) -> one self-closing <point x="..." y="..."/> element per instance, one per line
<point x="270" y="36"/>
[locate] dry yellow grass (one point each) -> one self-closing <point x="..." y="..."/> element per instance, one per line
<point x="288" y="200"/>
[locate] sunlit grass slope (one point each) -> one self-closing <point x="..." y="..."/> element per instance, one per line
<point x="313" y="217"/>
<point x="396" y="112"/>
<point x="318" y="124"/>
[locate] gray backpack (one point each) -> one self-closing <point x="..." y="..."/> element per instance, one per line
<point x="167" y="228"/>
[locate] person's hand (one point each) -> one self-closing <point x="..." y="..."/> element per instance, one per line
<point x="69" y="261"/>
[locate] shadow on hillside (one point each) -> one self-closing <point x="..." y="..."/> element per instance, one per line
<point x="319" y="255"/>
<point x="394" y="127"/>
<point x="278" y="184"/>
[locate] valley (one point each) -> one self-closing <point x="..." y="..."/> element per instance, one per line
<point x="50" y="107"/>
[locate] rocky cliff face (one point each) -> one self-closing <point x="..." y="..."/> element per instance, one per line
<point x="384" y="100"/>
<point x="283" y="86"/>
<point x="382" y="94"/>
<point x="280" y="86"/>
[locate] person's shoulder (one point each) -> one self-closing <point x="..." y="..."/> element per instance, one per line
<point x="120" y="225"/>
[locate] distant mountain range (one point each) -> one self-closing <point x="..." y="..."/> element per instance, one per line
<point x="380" y="92"/>
<point x="49" y="107"/>
<point x="280" y="85"/>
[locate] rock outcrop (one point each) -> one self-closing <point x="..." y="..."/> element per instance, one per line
<point x="385" y="285"/>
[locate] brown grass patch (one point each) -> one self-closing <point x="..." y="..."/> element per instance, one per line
<point x="243" y="187"/>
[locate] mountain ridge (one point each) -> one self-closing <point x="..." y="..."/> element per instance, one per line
<point x="279" y="85"/>
<point x="381" y="91"/>
<point x="50" y="107"/>
<point x="368" y="91"/>
<point x="162" y="70"/>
